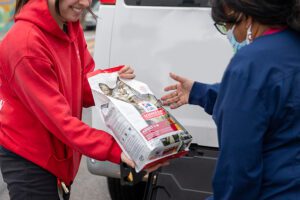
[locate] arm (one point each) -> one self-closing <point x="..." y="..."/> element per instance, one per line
<point x="89" y="66"/>
<point x="242" y="121"/>
<point x="35" y="84"/>
<point x="204" y="95"/>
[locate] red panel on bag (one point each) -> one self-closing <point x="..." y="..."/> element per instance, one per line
<point x="109" y="70"/>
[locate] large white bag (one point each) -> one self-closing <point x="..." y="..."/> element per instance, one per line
<point x="145" y="131"/>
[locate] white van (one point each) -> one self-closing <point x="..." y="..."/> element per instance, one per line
<point x="156" y="37"/>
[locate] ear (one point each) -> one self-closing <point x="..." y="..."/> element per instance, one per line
<point x="249" y="26"/>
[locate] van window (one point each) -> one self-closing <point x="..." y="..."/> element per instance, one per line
<point x="170" y="3"/>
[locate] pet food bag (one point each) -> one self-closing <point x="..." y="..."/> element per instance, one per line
<point x="145" y="131"/>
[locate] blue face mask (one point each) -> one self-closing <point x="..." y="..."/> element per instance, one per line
<point x="235" y="44"/>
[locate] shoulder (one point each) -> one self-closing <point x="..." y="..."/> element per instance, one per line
<point x="24" y="40"/>
<point x="274" y="48"/>
<point x="268" y="59"/>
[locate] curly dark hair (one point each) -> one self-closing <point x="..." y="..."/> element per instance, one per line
<point x="267" y="12"/>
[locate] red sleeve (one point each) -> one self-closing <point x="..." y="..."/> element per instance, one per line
<point x="35" y="83"/>
<point x="89" y="66"/>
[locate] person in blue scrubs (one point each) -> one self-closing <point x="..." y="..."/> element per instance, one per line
<point x="256" y="106"/>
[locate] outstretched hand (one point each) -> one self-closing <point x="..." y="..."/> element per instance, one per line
<point x="126" y="72"/>
<point x="179" y="92"/>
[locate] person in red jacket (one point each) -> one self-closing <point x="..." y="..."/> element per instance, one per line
<point x="43" y="86"/>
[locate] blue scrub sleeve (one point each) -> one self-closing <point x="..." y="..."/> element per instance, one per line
<point x="242" y="121"/>
<point x="204" y="95"/>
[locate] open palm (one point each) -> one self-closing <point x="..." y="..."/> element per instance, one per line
<point x="179" y="92"/>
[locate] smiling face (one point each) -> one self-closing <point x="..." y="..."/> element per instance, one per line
<point x="69" y="10"/>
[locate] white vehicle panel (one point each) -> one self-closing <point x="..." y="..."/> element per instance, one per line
<point x="159" y="40"/>
<point x="155" y="41"/>
<point x="103" y="35"/>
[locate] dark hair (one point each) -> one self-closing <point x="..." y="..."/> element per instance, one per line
<point x="267" y="12"/>
<point x="57" y="7"/>
<point x="21" y="3"/>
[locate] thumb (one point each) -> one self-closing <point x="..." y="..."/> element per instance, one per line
<point x="177" y="78"/>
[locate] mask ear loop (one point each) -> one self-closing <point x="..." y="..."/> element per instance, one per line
<point x="249" y="35"/>
<point x="232" y="29"/>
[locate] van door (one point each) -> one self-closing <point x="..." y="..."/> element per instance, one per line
<point x="156" y="37"/>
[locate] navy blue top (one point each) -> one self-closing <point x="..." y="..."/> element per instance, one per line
<point x="256" y="108"/>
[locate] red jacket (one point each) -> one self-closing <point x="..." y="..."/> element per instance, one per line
<point x="44" y="87"/>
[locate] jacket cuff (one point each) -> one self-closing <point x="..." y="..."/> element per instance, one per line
<point x="115" y="153"/>
<point x="197" y="93"/>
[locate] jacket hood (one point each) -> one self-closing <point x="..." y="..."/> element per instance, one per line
<point x="38" y="13"/>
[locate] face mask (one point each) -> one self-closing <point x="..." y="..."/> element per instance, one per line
<point x="238" y="45"/>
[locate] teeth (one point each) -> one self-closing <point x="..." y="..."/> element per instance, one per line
<point x="77" y="9"/>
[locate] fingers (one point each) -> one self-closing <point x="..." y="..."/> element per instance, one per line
<point x="131" y="164"/>
<point x="127" y="72"/>
<point x="180" y="79"/>
<point x="165" y="163"/>
<point x="126" y="160"/>
<point x="127" y="76"/>
<point x="171" y="87"/>
<point x="124" y="69"/>
<point x="169" y="96"/>
<point x="171" y="100"/>
<point x="155" y="167"/>
<point x="176" y="105"/>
